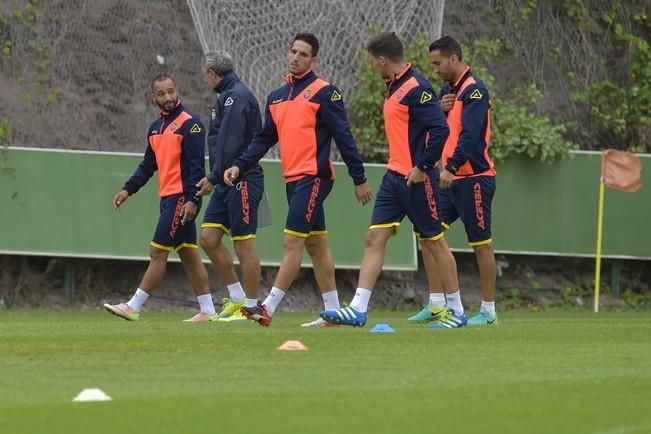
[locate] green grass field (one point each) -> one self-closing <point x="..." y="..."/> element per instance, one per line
<point x="545" y="372"/>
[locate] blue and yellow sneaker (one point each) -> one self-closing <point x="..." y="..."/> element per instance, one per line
<point x="449" y="320"/>
<point x="345" y="316"/>
<point x="483" y="318"/>
<point x="428" y="314"/>
<point x="229" y="308"/>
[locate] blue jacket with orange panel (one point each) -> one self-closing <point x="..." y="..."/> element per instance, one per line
<point x="414" y="124"/>
<point x="176" y="151"/>
<point x="234" y="120"/>
<point x="303" y="116"/>
<point x="466" y="150"/>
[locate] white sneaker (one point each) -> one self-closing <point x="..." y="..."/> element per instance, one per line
<point x="201" y="317"/>
<point x="319" y="323"/>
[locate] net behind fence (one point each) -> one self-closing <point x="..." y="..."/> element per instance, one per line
<point x="258" y="32"/>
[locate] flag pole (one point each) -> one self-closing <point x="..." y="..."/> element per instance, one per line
<point x="600" y="221"/>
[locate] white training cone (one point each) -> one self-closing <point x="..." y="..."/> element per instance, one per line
<point x="91" y="395"/>
<point x="292" y="346"/>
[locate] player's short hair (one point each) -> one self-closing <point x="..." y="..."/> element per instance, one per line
<point x="219" y="61"/>
<point x="310" y="39"/>
<point x="447" y="45"/>
<point x="160" y="77"/>
<point x="387" y="45"/>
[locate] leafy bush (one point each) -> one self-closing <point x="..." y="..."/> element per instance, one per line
<point x="516" y="128"/>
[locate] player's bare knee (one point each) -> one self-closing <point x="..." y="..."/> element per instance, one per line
<point x="435" y="248"/>
<point x="484" y="249"/>
<point x="292" y="242"/>
<point x="376" y="238"/>
<point x="208" y="239"/>
<point x="156" y="254"/>
<point x="314" y="247"/>
<point x="244" y="249"/>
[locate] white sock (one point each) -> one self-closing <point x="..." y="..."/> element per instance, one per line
<point x="330" y="300"/>
<point x="360" y="300"/>
<point x="138" y="299"/>
<point x="207" y="306"/>
<point x="250" y="302"/>
<point x="273" y="299"/>
<point x="236" y="292"/>
<point x="437" y="299"/>
<point x="488" y="307"/>
<point x="454" y="302"/>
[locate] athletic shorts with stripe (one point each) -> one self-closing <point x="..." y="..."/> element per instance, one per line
<point x="170" y="233"/>
<point x="234" y="210"/>
<point x="305" y="197"/>
<point x="418" y="202"/>
<point x="470" y="200"/>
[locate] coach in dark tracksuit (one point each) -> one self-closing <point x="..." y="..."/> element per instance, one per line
<point x="234" y="120"/>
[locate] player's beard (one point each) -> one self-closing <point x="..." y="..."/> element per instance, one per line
<point x="167" y="106"/>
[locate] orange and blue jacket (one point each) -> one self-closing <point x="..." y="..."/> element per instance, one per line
<point x="176" y="150"/>
<point x="466" y="150"/>
<point x="303" y="116"/>
<point x="414" y="123"/>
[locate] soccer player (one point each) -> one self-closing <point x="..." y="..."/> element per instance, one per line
<point x="233" y="210"/>
<point x="416" y="131"/>
<point x="467" y="176"/>
<point x="176" y="150"/>
<point x="303" y="116"/>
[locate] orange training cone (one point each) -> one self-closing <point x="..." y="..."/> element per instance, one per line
<point x="293" y="346"/>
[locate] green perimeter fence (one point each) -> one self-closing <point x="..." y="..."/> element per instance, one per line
<point x="58" y="203"/>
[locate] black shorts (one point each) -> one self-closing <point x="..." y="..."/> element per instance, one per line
<point x="419" y="202"/>
<point x="170" y="233"/>
<point x="470" y="200"/>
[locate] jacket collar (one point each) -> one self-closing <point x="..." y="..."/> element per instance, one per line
<point x="455" y="86"/>
<point x="398" y="77"/>
<point x="227" y="82"/>
<point x="293" y="80"/>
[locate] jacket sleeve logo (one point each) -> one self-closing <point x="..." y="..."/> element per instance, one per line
<point x="229" y="101"/>
<point x="425" y="97"/>
<point x="476" y="94"/>
<point x="195" y="128"/>
<point x="336" y="96"/>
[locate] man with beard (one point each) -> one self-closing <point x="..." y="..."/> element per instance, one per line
<point x="176" y="151"/>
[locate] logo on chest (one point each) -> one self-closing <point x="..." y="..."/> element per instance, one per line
<point x="307" y="94"/>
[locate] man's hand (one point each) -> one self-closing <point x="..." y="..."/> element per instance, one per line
<point x="363" y="193"/>
<point x="231" y="175"/>
<point x="119" y="199"/>
<point x="415" y="176"/>
<point x="447" y="102"/>
<point x="205" y="187"/>
<point x="446" y="179"/>
<point x="188" y="212"/>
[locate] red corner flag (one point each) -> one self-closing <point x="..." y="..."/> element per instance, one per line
<point x="621" y="170"/>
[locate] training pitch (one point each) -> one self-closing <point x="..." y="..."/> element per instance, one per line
<point x="535" y="372"/>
